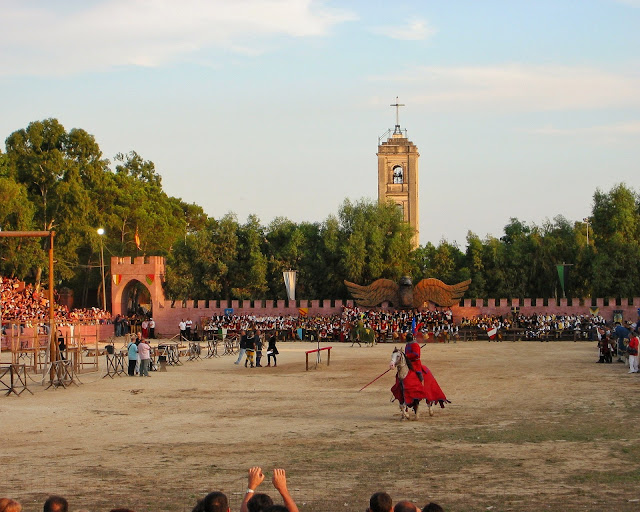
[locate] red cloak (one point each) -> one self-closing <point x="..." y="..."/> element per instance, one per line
<point x="411" y="388"/>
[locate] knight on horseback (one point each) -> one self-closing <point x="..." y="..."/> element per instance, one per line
<point x="414" y="381"/>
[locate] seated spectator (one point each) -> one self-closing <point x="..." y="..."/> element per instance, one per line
<point x="380" y="502"/>
<point x="9" y="505"/>
<point x="432" y="507"/>
<point x="213" y="502"/>
<point x="56" y="504"/>
<point x="255" y="478"/>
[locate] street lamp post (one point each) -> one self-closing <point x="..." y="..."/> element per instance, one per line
<point x="104" y="289"/>
<point x="587" y="220"/>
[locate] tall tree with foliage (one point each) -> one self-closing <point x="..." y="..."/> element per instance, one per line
<point x="616" y="226"/>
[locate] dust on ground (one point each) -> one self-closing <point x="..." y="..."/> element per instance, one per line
<point x="531" y="426"/>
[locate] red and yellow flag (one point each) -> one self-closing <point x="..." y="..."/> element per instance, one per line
<point x="136" y="238"/>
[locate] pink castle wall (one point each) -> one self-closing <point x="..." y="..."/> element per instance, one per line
<point x="150" y="272"/>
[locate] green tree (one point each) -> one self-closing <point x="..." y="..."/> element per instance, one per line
<point x="249" y="272"/>
<point x="376" y="242"/>
<point x="616" y="228"/>
<point x="18" y="256"/>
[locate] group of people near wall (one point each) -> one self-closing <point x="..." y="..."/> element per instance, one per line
<point x="393" y="325"/>
<point x="538" y="326"/>
<point x="252" y="344"/>
<point x="252" y="501"/>
<point x="620" y="341"/>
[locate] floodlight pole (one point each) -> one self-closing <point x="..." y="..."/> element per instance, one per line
<point x="104" y="289"/>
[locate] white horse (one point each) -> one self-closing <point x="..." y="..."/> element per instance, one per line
<point x="399" y="361"/>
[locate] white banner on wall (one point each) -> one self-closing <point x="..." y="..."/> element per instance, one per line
<point x="290" y="283"/>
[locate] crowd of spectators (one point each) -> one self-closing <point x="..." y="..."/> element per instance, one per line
<point x="338" y="327"/>
<point x="252" y="502"/>
<point x="393" y="325"/>
<point x="23" y="303"/>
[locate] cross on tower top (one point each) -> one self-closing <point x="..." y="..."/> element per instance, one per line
<point x="397" y="105"/>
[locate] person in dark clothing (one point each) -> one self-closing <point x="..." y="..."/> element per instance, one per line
<point x="272" y="350"/>
<point x="258" y="340"/>
<point x="251" y="347"/>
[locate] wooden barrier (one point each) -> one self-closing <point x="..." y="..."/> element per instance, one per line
<point x="318" y="350"/>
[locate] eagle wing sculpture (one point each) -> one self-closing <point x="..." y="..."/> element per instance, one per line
<point x="441" y="294"/>
<point x="376" y="293"/>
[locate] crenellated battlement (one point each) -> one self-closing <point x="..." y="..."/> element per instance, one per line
<point x="127" y="265"/>
<point x="150" y="270"/>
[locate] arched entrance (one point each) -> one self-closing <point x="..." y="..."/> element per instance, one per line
<point x="136" y="299"/>
<point x="136" y="283"/>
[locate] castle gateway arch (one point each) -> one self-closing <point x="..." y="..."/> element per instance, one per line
<point x="136" y="284"/>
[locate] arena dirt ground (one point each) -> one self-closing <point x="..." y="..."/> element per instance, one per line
<point x="532" y="426"/>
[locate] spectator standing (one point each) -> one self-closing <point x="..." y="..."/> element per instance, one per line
<point x="633" y="352"/>
<point x="243" y="346"/>
<point x="144" y="349"/>
<point x="132" y="351"/>
<point x="251" y="347"/>
<point x="152" y="329"/>
<point x="188" y="324"/>
<point x="183" y="329"/>
<point x="258" y="340"/>
<point x="272" y="350"/>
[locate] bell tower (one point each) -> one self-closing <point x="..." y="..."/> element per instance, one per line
<point x="398" y="173"/>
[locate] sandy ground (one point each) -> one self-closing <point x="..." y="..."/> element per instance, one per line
<point x="532" y="426"/>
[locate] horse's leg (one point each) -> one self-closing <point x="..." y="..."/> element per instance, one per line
<point x="403" y="412"/>
<point x="431" y="408"/>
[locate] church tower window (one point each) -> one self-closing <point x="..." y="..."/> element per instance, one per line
<point x="398" y="174"/>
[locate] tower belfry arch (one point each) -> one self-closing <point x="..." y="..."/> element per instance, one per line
<point x="398" y="173"/>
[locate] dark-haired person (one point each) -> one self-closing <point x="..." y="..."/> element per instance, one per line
<point x="213" y="502"/>
<point x="272" y="350"/>
<point x="432" y="507"/>
<point x="56" y="504"/>
<point x="380" y="502"/>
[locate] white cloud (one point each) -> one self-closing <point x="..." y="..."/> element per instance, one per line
<point x="414" y="30"/>
<point x="518" y="87"/>
<point x="110" y="33"/>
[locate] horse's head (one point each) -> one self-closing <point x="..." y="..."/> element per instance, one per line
<point x="396" y="357"/>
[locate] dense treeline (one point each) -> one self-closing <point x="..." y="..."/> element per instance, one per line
<point x="54" y="179"/>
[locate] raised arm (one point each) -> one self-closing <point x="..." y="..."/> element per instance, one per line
<point x="280" y="483"/>
<point x="254" y="479"/>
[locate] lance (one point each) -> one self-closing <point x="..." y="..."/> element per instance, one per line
<point x="389" y="369"/>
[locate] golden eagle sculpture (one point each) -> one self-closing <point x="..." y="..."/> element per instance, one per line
<point x="404" y="295"/>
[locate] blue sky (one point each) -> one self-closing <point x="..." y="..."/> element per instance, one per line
<point x="274" y="107"/>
